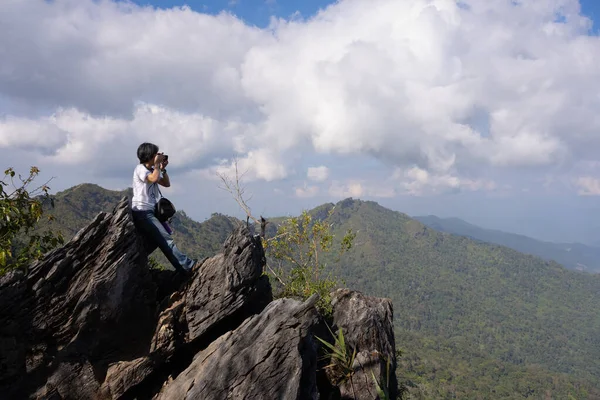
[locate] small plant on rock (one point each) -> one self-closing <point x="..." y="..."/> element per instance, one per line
<point x="341" y="356"/>
<point x="297" y="250"/>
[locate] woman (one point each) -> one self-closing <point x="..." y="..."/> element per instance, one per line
<point x="151" y="172"/>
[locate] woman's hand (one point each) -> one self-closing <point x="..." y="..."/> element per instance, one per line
<point x="164" y="164"/>
<point x="159" y="159"/>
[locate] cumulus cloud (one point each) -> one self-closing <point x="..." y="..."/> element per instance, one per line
<point x="72" y="137"/>
<point x="307" y="191"/>
<point x="318" y="174"/>
<point x="43" y="135"/>
<point x="418" y="181"/>
<point x="359" y="188"/>
<point x="432" y="88"/>
<point x="101" y="57"/>
<point x="588" y="186"/>
<point x="260" y="164"/>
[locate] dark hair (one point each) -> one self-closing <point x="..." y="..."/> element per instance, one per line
<point x="145" y="152"/>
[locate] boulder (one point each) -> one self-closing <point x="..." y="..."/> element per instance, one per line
<point x="270" y="356"/>
<point x="223" y="292"/>
<point x="86" y="322"/>
<point x="367" y="325"/>
<point x="80" y="308"/>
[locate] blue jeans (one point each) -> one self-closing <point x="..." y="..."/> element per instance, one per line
<point x="155" y="235"/>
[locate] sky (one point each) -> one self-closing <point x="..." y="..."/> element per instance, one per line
<point x="486" y="110"/>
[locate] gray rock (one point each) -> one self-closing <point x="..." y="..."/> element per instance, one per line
<point x="83" y="306"/>
<point x="85" y="322"/>
<point x="91" y="321"/>
<point x="270" y="356"/>
<point x="367" y="324"/>
<point x="223" y="292"/>
<point x="231" y="283"/>
<point x="13" y="293"/>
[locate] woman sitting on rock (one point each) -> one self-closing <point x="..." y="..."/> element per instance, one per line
<point x="151" y="172"/>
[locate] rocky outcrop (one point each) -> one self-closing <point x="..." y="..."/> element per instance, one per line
<point x="222" y="293"/>
<point x="367" y="324"/>
<point x="91" y="321"/>
<point x="270" y="356"/>
<point x="82" y="307"/>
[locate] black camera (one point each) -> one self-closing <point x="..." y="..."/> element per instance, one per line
<point x="166" y="156"/>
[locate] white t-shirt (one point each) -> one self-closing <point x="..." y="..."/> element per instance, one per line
<point x="145" y="194"/>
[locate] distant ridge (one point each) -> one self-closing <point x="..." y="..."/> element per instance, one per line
<point x="574" y="256"/>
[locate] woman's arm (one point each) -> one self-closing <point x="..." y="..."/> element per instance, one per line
<point x="165" y="181"/>
<point x="155" y="175"/>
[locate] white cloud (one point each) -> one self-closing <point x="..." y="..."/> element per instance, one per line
<point x="352" y="189"/>
<point x="307" y="191"/>
<point x="417" y="181"/>
<point x="359" y="188"/>
<point x="76" y="138"/>
<point x="259" y="164"/>
<point x="43" y="135"/>
<point x="318" y="174"/>
<point x="441" y="92"/>
<point x="588" y="186"/>
<point x="102" y="56"/>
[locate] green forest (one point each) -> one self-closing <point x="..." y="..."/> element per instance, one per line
<point x="472" y="320"/>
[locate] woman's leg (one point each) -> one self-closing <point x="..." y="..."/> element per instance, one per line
<point x="157" y="236"/>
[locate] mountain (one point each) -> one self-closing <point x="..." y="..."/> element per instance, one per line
<point x="76" y="206"/>
<point x="473" y="319"/>
<point x="575" y="256"/>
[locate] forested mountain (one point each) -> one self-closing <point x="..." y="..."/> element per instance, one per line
<point x="575" y="256"/>
<point x="474" y="320"/>
<point x="75" y="207"/>
<point x="485" y="315"/>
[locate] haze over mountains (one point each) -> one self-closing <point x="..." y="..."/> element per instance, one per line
<point x="472" y="318"/>
<point x="575" y="256"/>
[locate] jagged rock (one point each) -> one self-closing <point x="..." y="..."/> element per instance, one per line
<point x="230" y="284"/>
<point x="91" y="321"/>
<point x="270" y="356"/>
<point x="226" y="289"/>
<point x="85" y="322"/>
<point x="367" y="324"/>
<point x="13" y="293"/>
<point x="80" y="308"/>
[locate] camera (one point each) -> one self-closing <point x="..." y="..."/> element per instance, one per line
<point x="166" y="156"/>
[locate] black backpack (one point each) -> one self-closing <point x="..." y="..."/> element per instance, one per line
<point x="164" y="209"/>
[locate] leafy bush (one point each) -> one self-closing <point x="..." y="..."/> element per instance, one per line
<point x="20" y="211"/>
<point x="298" y="249"/>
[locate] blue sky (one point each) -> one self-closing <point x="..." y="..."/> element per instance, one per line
<point x="258" y="12"/>
<point x="591" y="8"/>
<point x="488" y="113"/>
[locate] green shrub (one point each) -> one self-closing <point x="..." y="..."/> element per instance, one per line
<point x="297" y="251"/>
<point x="20" y="211"/>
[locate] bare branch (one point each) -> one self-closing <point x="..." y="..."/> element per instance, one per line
<point x="275" y="275"/>
<point x="277" y="236"/>
<point x="235" y="188"/>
